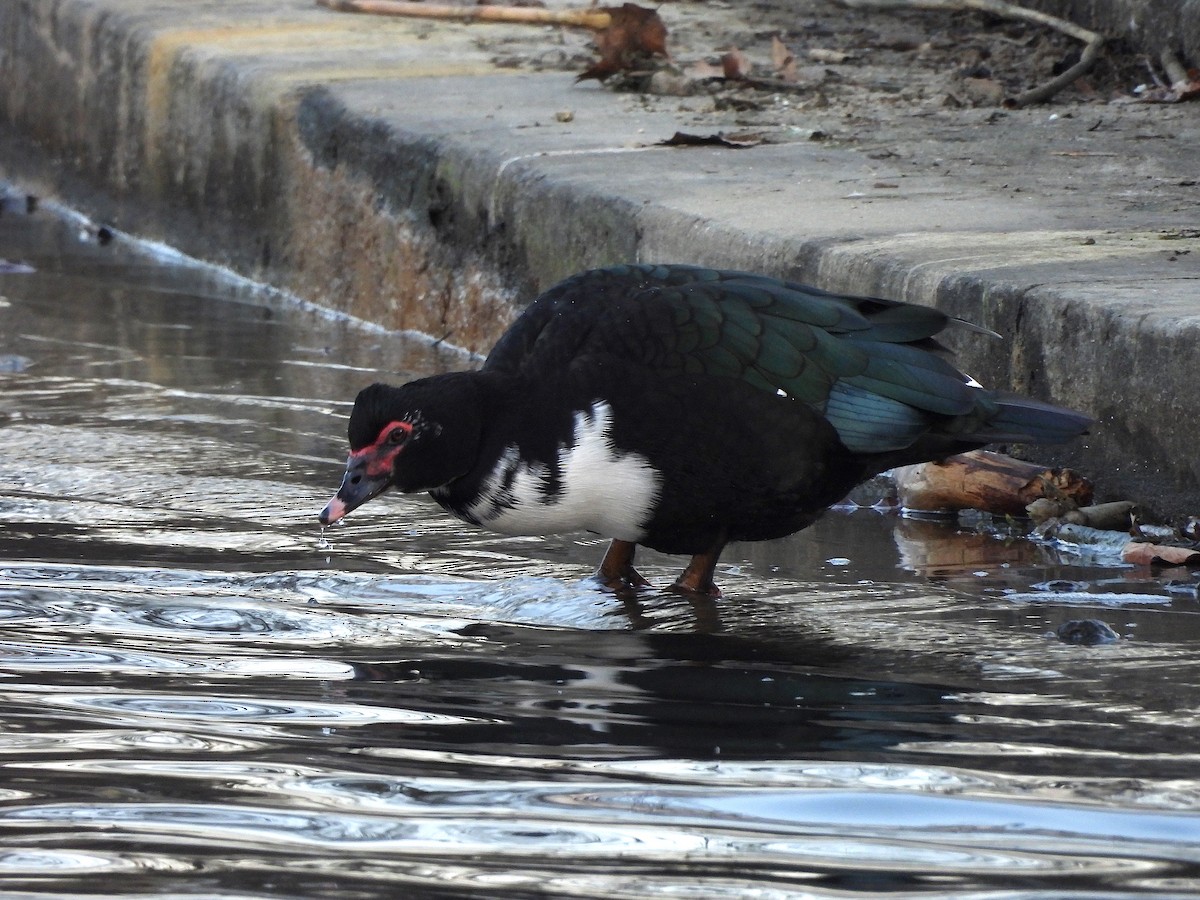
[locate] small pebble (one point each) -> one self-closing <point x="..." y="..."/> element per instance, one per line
<point x="1087" y="632"/>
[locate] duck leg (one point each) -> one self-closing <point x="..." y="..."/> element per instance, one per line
<point x="697" y="578"/>
<point x="616" y="570"/>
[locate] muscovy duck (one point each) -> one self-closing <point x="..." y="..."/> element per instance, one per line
<point x="681" y="408"/>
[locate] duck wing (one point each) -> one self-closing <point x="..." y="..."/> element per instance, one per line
<point x="870" y="366"/>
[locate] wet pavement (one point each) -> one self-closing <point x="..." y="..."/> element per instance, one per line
<point x="203" y="693"/>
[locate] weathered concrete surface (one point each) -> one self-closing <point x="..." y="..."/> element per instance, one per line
<point x="391" y="170"/>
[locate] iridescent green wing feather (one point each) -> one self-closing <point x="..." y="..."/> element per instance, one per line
<point x="868" y="365"/>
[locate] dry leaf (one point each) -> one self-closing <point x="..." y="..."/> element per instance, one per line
<point x="782" y="59"/>
<point x="633" y="32"/>
<point x="736" y="141"/>
<point x="1140" y="553"/>
<point x="702" y="71"/>
<point x="735" y="64"/>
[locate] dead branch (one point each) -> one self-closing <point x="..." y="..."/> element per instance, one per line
<point x="1093" y="41"/>
<point x="595" y="19"/>
<point x="988" y="481"/>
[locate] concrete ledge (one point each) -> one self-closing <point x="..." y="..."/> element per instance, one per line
<point x="392" y="171"/>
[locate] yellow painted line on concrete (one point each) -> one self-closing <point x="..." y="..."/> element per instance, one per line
<point x="285" y="38"/>
<point x="244" y="41"/>
<point x="315" y="75"/>
<point x="350" y="33"/>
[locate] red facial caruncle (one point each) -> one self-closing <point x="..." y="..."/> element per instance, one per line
<point x="369" y="471"/>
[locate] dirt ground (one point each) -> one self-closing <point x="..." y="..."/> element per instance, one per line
<point x="845" y="58"/>
<point x="922" y="92"/>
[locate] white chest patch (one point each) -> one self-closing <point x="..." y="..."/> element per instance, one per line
<point x="598" y="488"/>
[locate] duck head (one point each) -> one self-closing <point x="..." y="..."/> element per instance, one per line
<point x="417" y="437"/>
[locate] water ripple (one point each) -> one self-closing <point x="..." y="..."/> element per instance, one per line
<point x="215" y="710"/>
<point x="50" y="862"/>
<point x="123" y="740"/>
<point x="202" y="693"/>
<point x="656" y="828"/>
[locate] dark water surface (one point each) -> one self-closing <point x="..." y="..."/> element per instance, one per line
<point x="202" y="694"/>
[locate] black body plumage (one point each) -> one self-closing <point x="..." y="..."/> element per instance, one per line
<point x="753" y="404"/>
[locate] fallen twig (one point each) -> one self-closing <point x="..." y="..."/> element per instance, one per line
<point x="1093" y="41"/>
<point x="595" y="19"/>
<point x="622" y="33"/>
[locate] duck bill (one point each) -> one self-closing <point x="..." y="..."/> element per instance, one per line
<point x="357" y="488"/>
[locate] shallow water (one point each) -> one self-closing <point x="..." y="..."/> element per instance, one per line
<point x="201" y="693"/>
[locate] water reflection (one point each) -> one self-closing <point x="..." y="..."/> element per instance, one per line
<point x="202" y="693"/>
